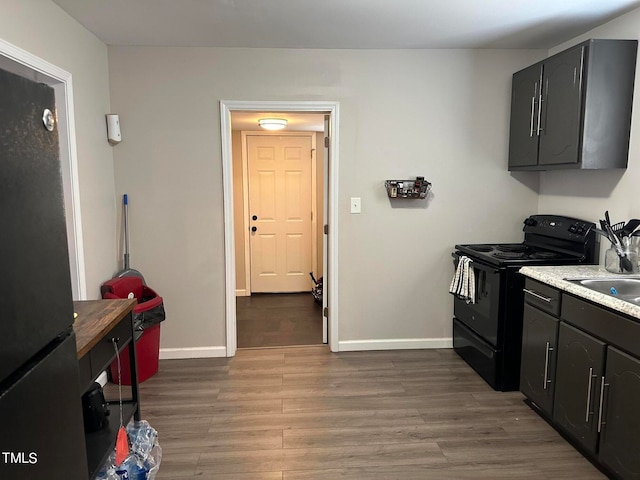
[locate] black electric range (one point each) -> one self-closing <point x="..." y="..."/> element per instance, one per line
<point x="548" y="240"/>
<point x="487" y="332"/>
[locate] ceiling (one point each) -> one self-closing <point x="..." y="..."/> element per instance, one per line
<point x="358" y="24"/>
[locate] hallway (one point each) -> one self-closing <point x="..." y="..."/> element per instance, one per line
<point x="278" y="319"/>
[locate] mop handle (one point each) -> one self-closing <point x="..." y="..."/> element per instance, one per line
<point x="125" y="200"/>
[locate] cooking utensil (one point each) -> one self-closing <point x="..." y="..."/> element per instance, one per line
<point x="605" y="230"/>
<point x="618" y="228"/>
<point x="601" y="232"/>
<point x="127" y="271"/>
<point x="630" y="227"/>
<point x="625" y="263"/>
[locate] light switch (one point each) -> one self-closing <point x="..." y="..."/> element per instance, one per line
<point x="356" y="205"/>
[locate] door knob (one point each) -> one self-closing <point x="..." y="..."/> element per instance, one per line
<point x="255" y="217"/>
<point x="254" y="229"/>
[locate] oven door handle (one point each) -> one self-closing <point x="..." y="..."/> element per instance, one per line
<point x="484" y="268"/>
<point x="474" y="264"/>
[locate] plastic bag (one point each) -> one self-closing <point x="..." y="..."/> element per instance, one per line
<point x="143" y="462"/>
<point x="150" y="317"/>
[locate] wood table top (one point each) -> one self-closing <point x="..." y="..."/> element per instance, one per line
<point x="96" y="318"/>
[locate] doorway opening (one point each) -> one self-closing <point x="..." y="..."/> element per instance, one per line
<point x="327" y="230"/>
<point x="278" y="233"/>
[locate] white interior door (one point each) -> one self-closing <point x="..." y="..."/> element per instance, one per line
<point x="279" y="169"/>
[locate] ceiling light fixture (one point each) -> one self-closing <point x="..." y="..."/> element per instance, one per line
<point x="272" y="123"/>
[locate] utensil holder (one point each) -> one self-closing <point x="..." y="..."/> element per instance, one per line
<point x="612" y="261"/>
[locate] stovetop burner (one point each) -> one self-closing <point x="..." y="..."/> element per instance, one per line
<point x="544" y="255"/>
<point x="510" y="255"/>
<point x="511" y="248"/>
<point x="515" y="254"/>
<point x="481" y="248"/>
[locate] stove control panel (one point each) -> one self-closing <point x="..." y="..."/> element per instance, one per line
<point x="557" y="226"/>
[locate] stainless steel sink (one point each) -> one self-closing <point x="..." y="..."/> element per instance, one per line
<point x="624" y="286"/>
<point x="627" y="289"/>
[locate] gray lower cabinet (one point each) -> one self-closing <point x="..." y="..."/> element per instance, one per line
<point x="583" y="371"/>
<point x="620" y="418"/>
<point x="578" y="371"/>
<point x="537" y="367"/>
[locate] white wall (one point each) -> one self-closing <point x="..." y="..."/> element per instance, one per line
<point x="587" y="194"/>
<point x="43" y="29"/>
<point x="441" y="114"/>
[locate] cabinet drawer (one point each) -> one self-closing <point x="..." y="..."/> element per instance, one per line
<point x="609" y="326"/>
<point x="103" y="352"/>
<point x="542" y="296"/>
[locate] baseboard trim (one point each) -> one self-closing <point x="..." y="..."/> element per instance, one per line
<point x="193" y="352"/>
<point x="241" y="292"/>
<point x="395" y="344"/>
<point x="346" y="346"/>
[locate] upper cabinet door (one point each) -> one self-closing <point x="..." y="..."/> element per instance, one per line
<point x="561" y="117"/>
<point x="525" y="115"/>
<point x="583" y="119"/>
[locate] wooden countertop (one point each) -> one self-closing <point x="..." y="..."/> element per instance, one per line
<point x="95" y="319"/>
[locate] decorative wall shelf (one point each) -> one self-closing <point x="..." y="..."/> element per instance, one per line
<point x="418" y="188"/>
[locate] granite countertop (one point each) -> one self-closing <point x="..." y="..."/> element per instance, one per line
<point x="555" y="277"/>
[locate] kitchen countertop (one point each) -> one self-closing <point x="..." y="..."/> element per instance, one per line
<point x="95" y="319"/>
<point x="555" y="277"/>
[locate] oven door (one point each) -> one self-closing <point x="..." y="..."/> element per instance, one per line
<point x="482" y="357"/>
<point x="483" y="317"/>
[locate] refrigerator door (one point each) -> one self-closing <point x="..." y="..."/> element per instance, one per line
<point x="41" y="418"/>
<point x="35" y="283"/>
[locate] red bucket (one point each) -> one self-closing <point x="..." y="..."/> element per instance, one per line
<point x="147" y="353"/>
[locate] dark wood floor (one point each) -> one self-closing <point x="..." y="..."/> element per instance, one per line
<point x="305" y="413"/>
<point x="278" y="319"/>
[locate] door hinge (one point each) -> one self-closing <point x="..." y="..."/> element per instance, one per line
<point x="325" y="312"/>
<point x="326" y="142"/>
<point x="326" y="229"/>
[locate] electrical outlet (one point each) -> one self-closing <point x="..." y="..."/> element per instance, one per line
<point x="356" y="205"/>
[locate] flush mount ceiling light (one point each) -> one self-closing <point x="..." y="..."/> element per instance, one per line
<point x="272" y="123"/>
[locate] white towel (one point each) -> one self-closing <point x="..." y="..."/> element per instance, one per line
<point x="463" y="284"/>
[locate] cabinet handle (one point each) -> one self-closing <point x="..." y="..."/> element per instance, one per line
<point x="547" y="352"/>
<point x="600" y="421"/>
<point x="590" y="380"/>
<point x="533" y="108"/>
<point x="540" y="109"/>
<point x="537" y="295"/>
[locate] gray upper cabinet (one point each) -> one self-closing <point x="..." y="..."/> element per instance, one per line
<point x="573" y="110"/>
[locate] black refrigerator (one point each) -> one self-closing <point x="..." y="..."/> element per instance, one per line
<point x="41" y="426"/>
